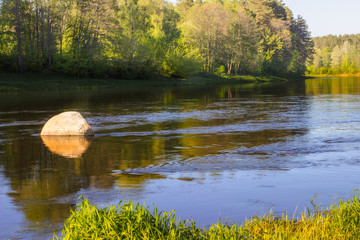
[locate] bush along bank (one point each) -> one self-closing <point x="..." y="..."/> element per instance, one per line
<point x="132" y="221"/>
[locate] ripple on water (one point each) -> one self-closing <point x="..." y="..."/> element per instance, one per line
<point x="163" y="116"/>
<point x="20" y="123"/>
<point x="282" y="155"/>
<point x="114" y="130"/>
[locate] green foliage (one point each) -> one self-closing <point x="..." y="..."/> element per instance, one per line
<point x="7" y="63"/>
<point x="221" y="70"/>
<point x="340" y="221"/>
<point x="296" y="67"/>
<point x="272" y="52"/>
<point x="336" y="55"/>
<point x="132" y="221"/>
<point x="178" y="64"/>
<point x="135" y="69"/>
<point x="126" y="221"/>
<point x="138" y="39"/>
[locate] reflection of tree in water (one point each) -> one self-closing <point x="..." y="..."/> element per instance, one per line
<point x="36" y="179"/>
<point x="243" y="118"/>
<point x="333" y="86"/>
<point x="125" y="180"/>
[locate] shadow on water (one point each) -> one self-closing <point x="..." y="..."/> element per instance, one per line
<point x="145" y="137"/>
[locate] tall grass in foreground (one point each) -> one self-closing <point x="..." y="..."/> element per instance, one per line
<point x="132" y="221"/>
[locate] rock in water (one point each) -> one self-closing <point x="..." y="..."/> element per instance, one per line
<point x="67" y="124"/>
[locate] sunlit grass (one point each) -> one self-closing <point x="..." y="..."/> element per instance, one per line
<point x="132" y="221"/>
<point x="340" y="221"/>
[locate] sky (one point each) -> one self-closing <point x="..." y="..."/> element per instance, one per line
<point x="328" y="16"/>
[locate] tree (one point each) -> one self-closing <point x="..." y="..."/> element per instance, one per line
<point x="338" y="54"/>
<point x="204" y="28"/>
<point x="302" y="46"/>
<point x="18" y="29"/>
<point x="241" y="43"/>
<point x="336" y="58"/>
<point x="139" y="38"/>
<point x="273" y="21"/>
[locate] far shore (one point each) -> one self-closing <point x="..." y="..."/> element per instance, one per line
<point x="334" y="75"/>
<point x="10" y="82"/>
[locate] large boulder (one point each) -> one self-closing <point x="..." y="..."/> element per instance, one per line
<point x="67" y="124"/>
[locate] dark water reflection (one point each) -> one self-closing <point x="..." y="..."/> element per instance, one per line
<point x="238" y="150"/>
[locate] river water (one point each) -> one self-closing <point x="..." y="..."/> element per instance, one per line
<point x="225" y="151"/>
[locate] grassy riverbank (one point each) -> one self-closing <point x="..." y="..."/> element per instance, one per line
<point x="129" y="221"/>
<point x="33" y="82"/>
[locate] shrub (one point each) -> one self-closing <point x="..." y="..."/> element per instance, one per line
<point x="178" y="64"/>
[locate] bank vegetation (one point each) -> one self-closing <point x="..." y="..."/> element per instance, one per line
<point x="132" y="39"/>
<point x="132" y="221"/>
<point x="336" y="55"/>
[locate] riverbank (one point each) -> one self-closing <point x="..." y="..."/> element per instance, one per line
<point x="129" y="221"/>
<point x="333" y="75"/>
<point x="34" y="82"/>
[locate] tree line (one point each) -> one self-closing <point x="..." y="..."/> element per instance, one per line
<point x="141" y="38"/>
<point x="336" y="55"/>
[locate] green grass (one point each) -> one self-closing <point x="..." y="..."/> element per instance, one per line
<point x="10" y="82"/>
<point x="132" y="221"/>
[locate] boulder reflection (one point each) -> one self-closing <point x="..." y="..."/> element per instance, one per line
<point x="67" y="146"/>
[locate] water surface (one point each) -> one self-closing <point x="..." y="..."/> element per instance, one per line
<point x="228" y="150"/>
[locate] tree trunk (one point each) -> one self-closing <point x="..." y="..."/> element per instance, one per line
<point x="37" y="31"/>
<point x="132" y="30"/>
<point x="49" y="38"/>
<point x="18" y="35"/>
<point x="237" y="69"/>
<point x="61" y="34"/>
<point x="209" y="55"/>
<point x="214" y="55"/>
<point x="230" y="66"/>
<point x="42" y="31"/>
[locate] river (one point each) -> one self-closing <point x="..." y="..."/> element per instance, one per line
<point x="224" y="151"/>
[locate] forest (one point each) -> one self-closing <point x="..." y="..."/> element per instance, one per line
<point x="135" y="39"/>
<point x="336" y="55"/>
